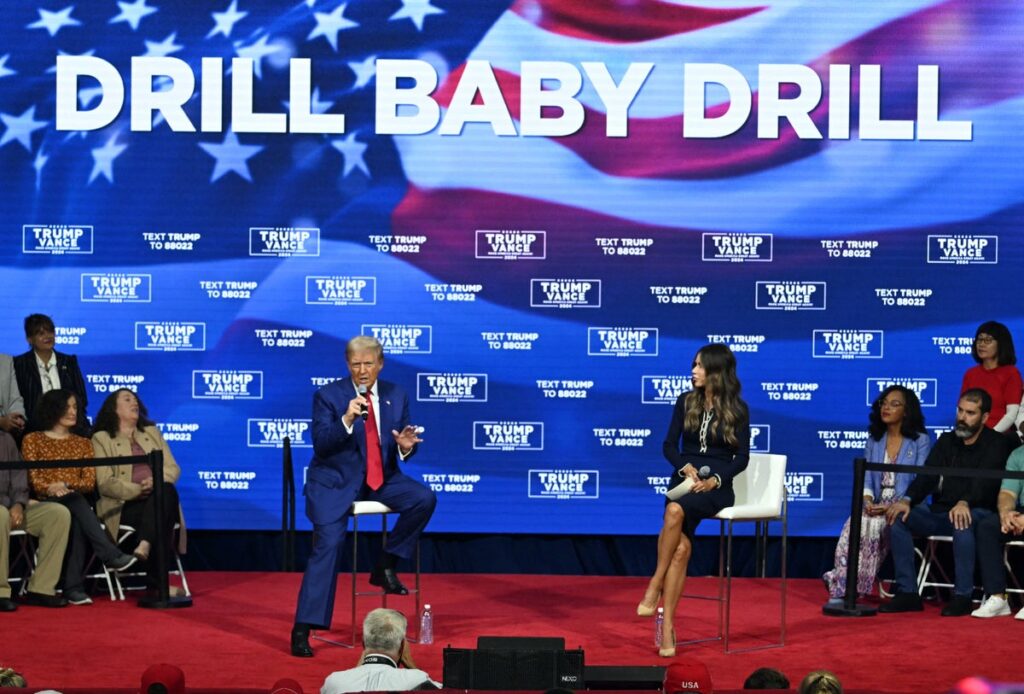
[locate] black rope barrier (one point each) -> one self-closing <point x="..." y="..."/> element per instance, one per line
<point x="850" y="606"/>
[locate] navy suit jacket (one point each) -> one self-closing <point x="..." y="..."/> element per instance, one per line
<point x="338" y="470"/>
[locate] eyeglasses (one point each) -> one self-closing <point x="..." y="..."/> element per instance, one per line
<point x="984" y="340"/>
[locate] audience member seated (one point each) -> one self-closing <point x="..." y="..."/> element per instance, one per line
<point x="766" y="678"/>
<point x="163" y="679"/>
<point x="820" y="682"/>
<point x="995" y="530"/>
<point x="12" y="407"/>
<point x="996" y="374"/>
<point x="123" y="429"/>
<point x="958" y="504"/>
<point x="48" y="523"/>
<point x="386" y="664"/>
<point x="896" y="436"/>
<point x="42" y="369"/>
<point x="56" y="414"/>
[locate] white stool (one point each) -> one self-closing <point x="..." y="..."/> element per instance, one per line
<point x="760" y="498"/>
<point x="375" y="508"/>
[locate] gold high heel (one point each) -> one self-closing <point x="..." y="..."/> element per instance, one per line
<point x="669" y="652"/>
<point x="645" y="610"/>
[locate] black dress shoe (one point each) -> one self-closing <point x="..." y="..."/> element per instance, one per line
<point x="959" y="606"/>
<point x="300" y="642"/>
<point x="388" y="580"/>
<point x="903" y="602"/>
<point x="41" y="600"/>
<point x="7" y="605"/>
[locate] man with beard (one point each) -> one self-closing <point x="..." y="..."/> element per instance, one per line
<point x="958" y="504"/>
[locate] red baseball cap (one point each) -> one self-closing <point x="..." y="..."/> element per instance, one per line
<point x="286" y="685"/>
<point x="170" y="676"/>
<point x="688" y="676"/>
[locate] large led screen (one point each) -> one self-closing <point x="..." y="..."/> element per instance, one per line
<point x="542" y="209"/>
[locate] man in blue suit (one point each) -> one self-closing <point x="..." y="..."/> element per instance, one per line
<point x="360" y="431"/>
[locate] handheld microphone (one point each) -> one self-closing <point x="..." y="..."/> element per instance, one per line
<point x="704" y="472"/>
<point x="363" y="411"/>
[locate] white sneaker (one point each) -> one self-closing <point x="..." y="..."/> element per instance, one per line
<point x="1020" y="615"/>
<point x="995" y="606"/>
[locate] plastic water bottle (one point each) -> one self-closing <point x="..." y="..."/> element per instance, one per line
<point x="427" y="626"/>
<point x="659" y="621"/>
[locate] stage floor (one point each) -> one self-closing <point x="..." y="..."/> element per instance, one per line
<point x="236" y="634"/>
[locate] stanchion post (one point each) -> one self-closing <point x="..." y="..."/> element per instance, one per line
<point x="163" y="599"/>
<point x="850" y="608"/>
<point x="287" y="508"/>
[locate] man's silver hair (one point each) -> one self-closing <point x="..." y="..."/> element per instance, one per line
<point x="360" y="343"/>
<point x="384" y="630"/>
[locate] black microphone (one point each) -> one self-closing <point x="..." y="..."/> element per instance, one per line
<point x="363" y="411"/>
<point x="704" y="472"/>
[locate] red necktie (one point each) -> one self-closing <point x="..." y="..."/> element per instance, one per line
<point x="374" y="466"/>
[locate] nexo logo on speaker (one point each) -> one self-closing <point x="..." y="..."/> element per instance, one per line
<point x="564" y="484"/>
<point x="57" y="239"/>
<point x="926" y="389"/>
<point x="282" y="242"/>
<point x="622" y="342"/>
<point x="117" y="287"/>
<point x="170" y="336"/>
<point x="737" y="247"/>
<point x="227" y="385"/>
<point x="790" y="296"/>
<point x="339" y="290"/>
<point x="805" y="486"/>
<point x="507" y="244"/>
<point x="451" y="387"/>
<point x="508" y="436"/>
<point x="847" y="344"/>
<point x="271" y="433"/>
<point x="402" y="339"/>
<point x="963" y="249"/>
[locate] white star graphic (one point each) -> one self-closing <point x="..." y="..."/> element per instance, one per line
<point x="103" y="159"/>
<point x="38" y="165"/>
<point x="132" y="12"/>
<point x="315" y="105"/>
<point x="54" y="21"/>
<point x="329" y="24"/>
<point x="225" y="21"/>
<point x="163" y="48"/>
<point x="257" y="51"/>
<point x="417" y="11"/>
<point x="365" y="71"/>
<point x="4" y="70"/>
<point x="20" y="128"/>
<point x="352" y="152"/>
<point x="53" y="68"/>
<point x="231" y="156"/>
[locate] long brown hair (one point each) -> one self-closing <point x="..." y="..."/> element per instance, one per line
<point x="720" y="377"/>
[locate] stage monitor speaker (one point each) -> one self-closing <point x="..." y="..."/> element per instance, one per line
<point x="520" y="643"/>
<point x="625" y="677"/>
<point x="466" y="668"/>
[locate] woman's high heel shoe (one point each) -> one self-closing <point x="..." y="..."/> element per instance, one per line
<point x="669" y="651"/>
<point x="645" y="610"/>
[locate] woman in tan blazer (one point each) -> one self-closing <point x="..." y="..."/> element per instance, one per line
<point x="123" y="428"/>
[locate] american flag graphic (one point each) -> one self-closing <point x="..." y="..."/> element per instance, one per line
<point x="880" y="205"/>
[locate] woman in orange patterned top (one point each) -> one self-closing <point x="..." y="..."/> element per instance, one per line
<point x="57" y="413"/>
